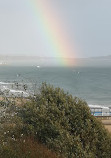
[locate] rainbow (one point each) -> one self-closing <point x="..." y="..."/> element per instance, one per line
<point x="52" y="29"/>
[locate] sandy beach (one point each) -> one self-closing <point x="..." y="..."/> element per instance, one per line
<point x="106" y="122"/>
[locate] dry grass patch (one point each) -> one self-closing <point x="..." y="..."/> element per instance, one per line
<point x="26" y="148"/>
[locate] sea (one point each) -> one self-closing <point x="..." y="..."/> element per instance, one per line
<point x="92" y="84"/>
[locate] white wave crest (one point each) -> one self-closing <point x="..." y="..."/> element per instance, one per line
<point x="5" y="83"/>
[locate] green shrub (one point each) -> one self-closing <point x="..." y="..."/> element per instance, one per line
<point x="65" y="124"/>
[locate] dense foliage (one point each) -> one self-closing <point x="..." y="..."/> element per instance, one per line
<point x="14" y="143"/>
<point x="58" y="121"/>
<point x="65" y="124"/>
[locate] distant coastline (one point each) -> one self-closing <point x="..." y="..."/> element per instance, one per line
<point x="53" y="61"/>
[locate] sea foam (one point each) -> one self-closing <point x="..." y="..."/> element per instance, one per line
<point x="5" y="87"/>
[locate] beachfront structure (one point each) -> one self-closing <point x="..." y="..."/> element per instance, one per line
<point x="96" y="111"/>
<point x="100" y="111"/>
<point x="110" y="111"/>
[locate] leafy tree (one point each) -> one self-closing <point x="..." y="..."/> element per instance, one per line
<point x="65" y="124"/>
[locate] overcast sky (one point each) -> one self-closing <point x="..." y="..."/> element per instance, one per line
<point x="87" y="24"/>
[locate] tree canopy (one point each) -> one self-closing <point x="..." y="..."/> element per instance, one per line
<point x="65" y="124"/>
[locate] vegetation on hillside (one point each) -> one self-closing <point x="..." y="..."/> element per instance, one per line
<point x="56" y="122"/>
